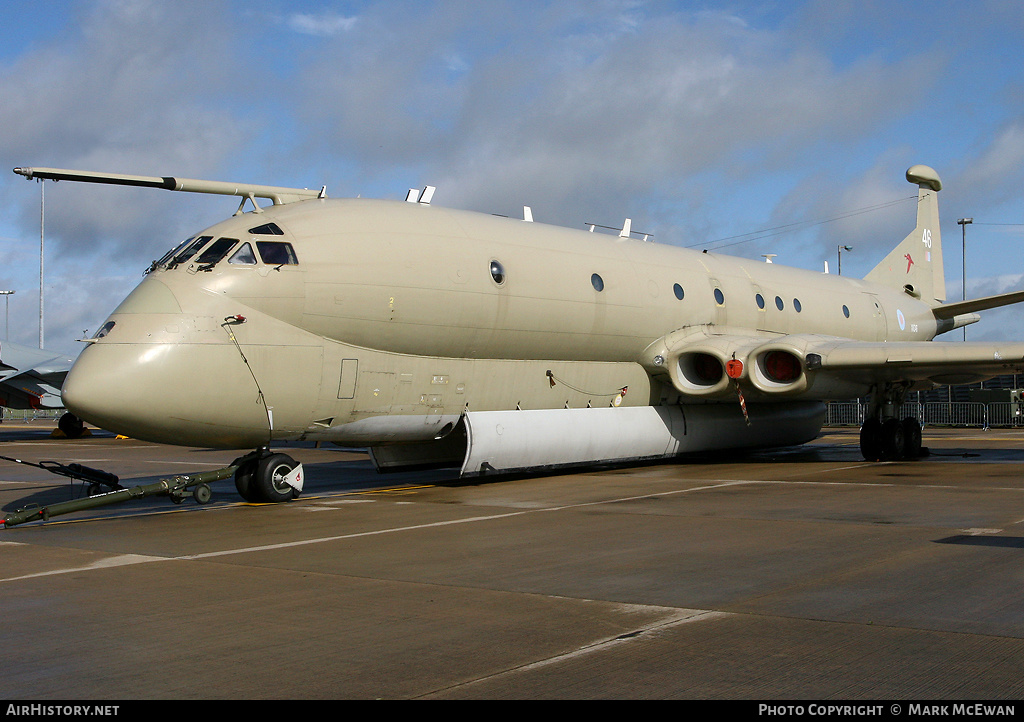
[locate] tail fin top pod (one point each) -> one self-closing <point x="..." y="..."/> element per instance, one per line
<point x="915" y="265"/>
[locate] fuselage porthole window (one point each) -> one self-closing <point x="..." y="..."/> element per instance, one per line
<point x="277" y="253"/>
<point x="796" y="305"/>
<point x="497" y="272"/>
<point x="779" y="304"/>
<point x="846" y="311"/>
<point x="678" y="290"/>
<point x="760" y="301"/>
<point x="597" y="282"/>
<point x="719" y="297"/>
<point x="243" y="256"/>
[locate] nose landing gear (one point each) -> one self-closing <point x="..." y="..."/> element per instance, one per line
<point x="267" y="477"/>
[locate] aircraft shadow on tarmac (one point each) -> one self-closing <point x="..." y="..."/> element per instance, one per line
<point x="328" y="477"/>
<point x="357" y="475"/>
<point x="1001" y="542"/>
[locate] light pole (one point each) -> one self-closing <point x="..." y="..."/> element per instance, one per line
<point x="839" y="250"/>
<point x="963" y="223"/>
<point x="42" y="220"/>
<point x="7" y="313"/>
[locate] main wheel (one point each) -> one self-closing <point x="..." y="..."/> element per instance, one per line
<point x="269" y="480"/>
<point x="871" y="440"/>
<point x="894" y="440"/>
<point x="912" y="434"/>
<point x="72" y="426"/>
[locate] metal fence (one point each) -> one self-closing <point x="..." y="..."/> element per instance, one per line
<point x="20" y="415"/>
<point x="1004" y="414"/>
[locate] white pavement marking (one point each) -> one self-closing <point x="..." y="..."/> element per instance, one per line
<point x="453" y="522"/>
<point x="674" y="618"/>
<point x="121" y="560"/>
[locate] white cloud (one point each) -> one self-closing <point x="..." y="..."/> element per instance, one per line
<point x="325" y="24"/>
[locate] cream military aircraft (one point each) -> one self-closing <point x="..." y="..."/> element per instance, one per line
<point x="445" y="337"/>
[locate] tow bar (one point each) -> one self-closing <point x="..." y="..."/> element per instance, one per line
<point x="176" y="487"/>
<point x="96" y="478"/>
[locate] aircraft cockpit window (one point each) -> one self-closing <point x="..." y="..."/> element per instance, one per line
<point x="188" y="251"/>
<point x="277" y="253"/>
<point x="268" y="229"/>
<point x="104" y="330"/>
<point x="171" y="253"/>
<point x="216" y="251"/>
<point x="243" y="256"/>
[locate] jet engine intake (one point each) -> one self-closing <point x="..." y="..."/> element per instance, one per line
<point x="777" y="369"/>
<point x="702" y="364"/>
<point x="700" y="373"/>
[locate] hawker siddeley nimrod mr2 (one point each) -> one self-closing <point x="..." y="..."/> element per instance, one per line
<point x="442" y="337"/>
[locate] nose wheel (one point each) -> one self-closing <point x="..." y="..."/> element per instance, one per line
<point x="265" y="477"/>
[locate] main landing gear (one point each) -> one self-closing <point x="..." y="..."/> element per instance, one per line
<point x="890" y="440"/>
<point x="884" y="436"/>
<point x="70" y="425"/>
<point x="266" y="477"/>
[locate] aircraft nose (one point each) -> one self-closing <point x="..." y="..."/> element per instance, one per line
<point x="167" y="393"/>
<point x="96" y="392"/>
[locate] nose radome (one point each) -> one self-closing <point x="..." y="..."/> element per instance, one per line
<point x="105" y="388"/>
<point x="99" y="385"/>
<point x="166" y="393"/>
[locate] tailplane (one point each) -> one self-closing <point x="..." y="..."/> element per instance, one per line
<point x="915" y="265"/>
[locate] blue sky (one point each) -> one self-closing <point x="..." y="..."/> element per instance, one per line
<point x="701" y="121"/>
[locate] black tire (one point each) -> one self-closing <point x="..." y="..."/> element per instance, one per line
<point x="72" y="426"/>
<point x="894" y="440"/>
<point x="268" y="480"/>
<point x="871" y="440"/>
<point x="912" y="435"/>
<point x="244" y="476"/>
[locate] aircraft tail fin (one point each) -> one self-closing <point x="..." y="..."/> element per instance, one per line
<point x="915" y="265"/>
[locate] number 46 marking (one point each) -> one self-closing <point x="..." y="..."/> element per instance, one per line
<point x="927" y="238"/>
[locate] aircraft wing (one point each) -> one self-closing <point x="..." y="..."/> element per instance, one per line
<point x="31" y="378"/>
<point x="813" y="366"/>
<point x="920" y="363"/>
